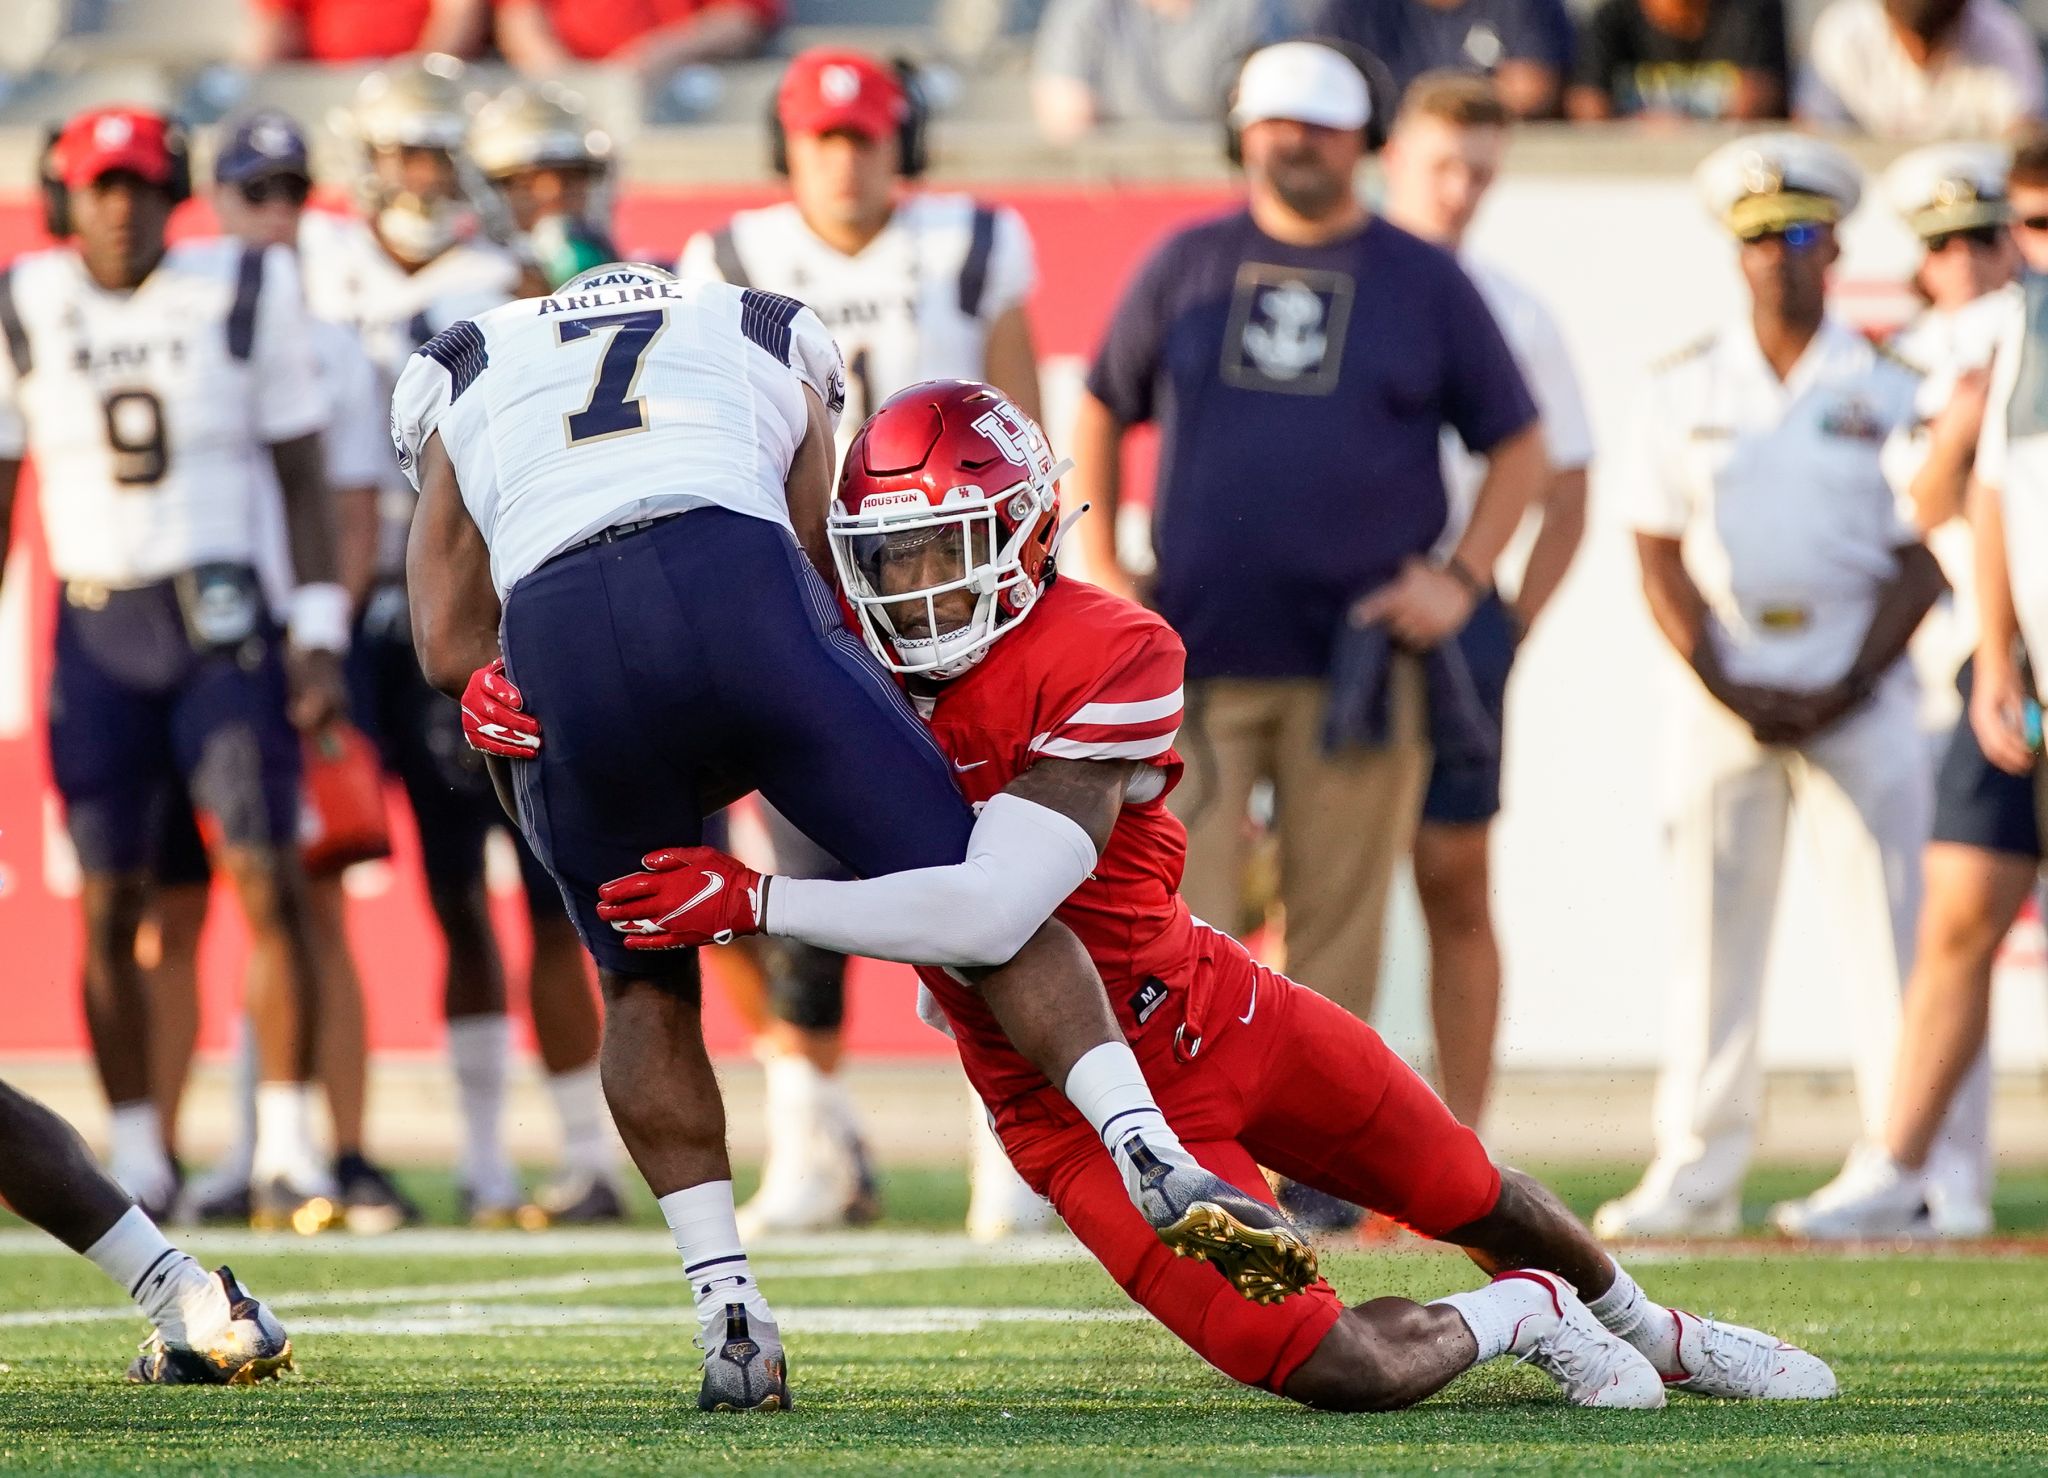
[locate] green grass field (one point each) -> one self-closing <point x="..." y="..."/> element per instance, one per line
<point x="913" y="1351"/>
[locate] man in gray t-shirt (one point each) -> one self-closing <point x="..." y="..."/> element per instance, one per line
<point x="1166" y="61"/>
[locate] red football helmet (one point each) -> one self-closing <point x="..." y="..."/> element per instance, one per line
<point x="948" y="491"/>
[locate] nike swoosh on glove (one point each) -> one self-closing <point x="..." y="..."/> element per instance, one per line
<point x="686" y="896"/>
<point x="494" y="718"/>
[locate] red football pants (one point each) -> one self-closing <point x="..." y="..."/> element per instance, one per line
<point x="1282" y="1078"/>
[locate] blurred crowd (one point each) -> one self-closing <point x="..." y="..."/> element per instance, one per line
<point x="1894" y="69"/>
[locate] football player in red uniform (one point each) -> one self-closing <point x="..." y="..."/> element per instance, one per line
<point x="1058" y="704"/>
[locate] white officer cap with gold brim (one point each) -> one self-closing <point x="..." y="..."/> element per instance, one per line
<point x="1768" y="181"/>
<point x="1950" y="187"/>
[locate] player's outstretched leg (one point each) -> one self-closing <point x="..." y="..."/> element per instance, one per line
<point x="1391" y="1353"/>
<point x="1530" y="1228"/>
<point x="665" y="1100"/>
<point x="1070" y="1034"/>
<point x="208" y="1330"/>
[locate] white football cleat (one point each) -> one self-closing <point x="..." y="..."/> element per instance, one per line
<point x="1655" y="1209"/>
<point x="1873" y="1196"/>
<point x="1739" y="1364"/>
<point x="1590" y="1365"/>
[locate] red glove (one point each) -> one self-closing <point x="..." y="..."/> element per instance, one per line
<point x="687" y="896"/>
<point x="493" y="718"/>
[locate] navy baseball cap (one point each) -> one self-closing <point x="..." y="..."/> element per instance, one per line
<point x="259" y="144"/>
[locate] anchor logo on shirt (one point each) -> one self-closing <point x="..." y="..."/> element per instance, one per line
<point x="1291" y="340"/>
<point x="1286" y="329"/>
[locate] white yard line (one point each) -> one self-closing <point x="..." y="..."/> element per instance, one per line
<point x="514" y="1321"/>
<point x="566" y="1242"/>
<point x="934" y="1254"/>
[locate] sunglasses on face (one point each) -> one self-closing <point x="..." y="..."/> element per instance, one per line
<point x="1984" y="236"/>
<point x="2032" y="223"/>
<point x="1796" y="237"/>
<point x="290" y="188"/>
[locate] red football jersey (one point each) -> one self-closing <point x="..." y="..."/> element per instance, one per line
<point x="1085" y="676"/>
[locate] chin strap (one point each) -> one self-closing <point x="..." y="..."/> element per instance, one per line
<point x="1059" y="535"/>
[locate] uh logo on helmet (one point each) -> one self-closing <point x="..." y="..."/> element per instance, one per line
<point x="945" y="524"/>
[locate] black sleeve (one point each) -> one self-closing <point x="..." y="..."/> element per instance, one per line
<point x="1758" y="41"/>
<point x="1127" y="365"/>
<point x="1604" y="46"/>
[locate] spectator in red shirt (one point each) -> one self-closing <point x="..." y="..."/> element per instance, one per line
<point x="361" y="30"/>
<point x="652" y="36"/>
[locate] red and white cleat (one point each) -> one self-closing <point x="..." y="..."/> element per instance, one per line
<point x="1739" y="1364"/>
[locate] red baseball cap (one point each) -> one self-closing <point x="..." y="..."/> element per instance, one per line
<point x="103" y="140"/>
<point x="828" y="88"/>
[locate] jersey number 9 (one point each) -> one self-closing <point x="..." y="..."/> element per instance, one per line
<point x="135" y="432"/>
<point x="612" y="409"/>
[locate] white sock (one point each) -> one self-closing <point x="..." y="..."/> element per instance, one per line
<point x="136" y="1138"/>
<point x="794" y="1110"/>
<point x="1626" y="1312"/>
<point x="481" y="1048"/>
<point x="182" y="1299"/>
<point x="237" y="1162"/>
<point x="1509" y="1311"/>
<point x="837" y="1115"/>
<point x="284" y="1139"/>
<point x="587" y="1142"/>
<point x="708" y="1236"/>
<point x="1109" y="1089"/>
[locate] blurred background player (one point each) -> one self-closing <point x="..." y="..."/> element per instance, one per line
<point x="1986" y="853"/>
<point x="262" y="176"/>
<point x="420" y="261"/>
<point x="1953" y="197"/>
<point x="184" y="373"/>
<point x="1794" y="616"/>
<point x="914" y="285"/>
<point x="1445" y="150"/>
<point x="207" y="1330"/>
<point x="551" y="166"/>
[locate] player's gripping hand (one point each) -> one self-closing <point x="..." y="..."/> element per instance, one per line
<point x="686" y="896"/>
<point x="494" y="719"/>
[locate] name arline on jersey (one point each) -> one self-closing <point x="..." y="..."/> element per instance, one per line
<point x="608" y="298"/>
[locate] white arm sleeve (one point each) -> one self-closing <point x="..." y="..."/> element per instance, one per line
<point x="1023" y="859"/>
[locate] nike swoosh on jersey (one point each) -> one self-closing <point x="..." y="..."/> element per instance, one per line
<point x="963" y="769"/>
<point x="1247" y="1017"/>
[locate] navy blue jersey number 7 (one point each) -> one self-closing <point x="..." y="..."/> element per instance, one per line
<point x="613" y="409"/>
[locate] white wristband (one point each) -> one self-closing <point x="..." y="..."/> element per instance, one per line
<point x="317" y="618"/>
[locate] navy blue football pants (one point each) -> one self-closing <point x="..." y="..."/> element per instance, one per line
<point x="702" y="654"/>
<point x="136" y="714"/>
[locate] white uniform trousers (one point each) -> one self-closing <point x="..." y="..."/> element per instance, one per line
<point x="1864" y="794"/>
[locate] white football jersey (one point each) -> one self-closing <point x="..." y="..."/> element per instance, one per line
<point x="149" y="413"/>
<point x="568" y="415"/>
<point x="351" y="280"/>
<point x="355" y="442"/>
<point x="915" y="304"/>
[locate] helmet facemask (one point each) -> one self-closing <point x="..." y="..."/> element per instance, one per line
<point x="899" y="562"/>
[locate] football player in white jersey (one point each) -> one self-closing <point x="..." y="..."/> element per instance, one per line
<point x="151" y="383"/>
<point x="915" y="285"/>
<point x="262" y="177"/>
<point x="616" y="564"/>
<point x="419" y="262"/>
<point x="551" y="166"/>
<point x="1445" y="149"/>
